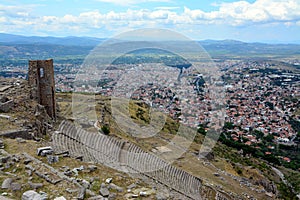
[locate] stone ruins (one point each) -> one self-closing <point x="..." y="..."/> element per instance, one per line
<point x="41" y="80"/>
<point x="124" y="156"/>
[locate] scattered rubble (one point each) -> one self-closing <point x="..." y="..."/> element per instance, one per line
<point x="33" y="195"/>
<point x="104" y="190"/>
<point x="60" y="198"/>
<point x="6" y="184"/>
<point x="92" y="168"/>
<point x="35" y="185"/>
<point x="108" y="180"/>
<point x="6" y="105"/>
<point x="81" y="193"/>
<point x="115" y="187"/>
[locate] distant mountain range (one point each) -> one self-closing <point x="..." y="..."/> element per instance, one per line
<point x="93" y="41"/>
<point x="68" y="41"/>
<point x="14" y="48"/>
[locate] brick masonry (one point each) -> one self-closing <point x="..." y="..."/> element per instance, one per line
<point x="41" y="80"/>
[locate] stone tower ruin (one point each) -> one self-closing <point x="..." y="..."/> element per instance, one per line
<point x="41" y="80"/>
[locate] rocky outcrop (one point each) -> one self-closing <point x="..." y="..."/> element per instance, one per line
<point x="42" y="121"/>
<point x="6" y="105"/>
<point x="269" y="186"/>
<point x="15" y="99"/>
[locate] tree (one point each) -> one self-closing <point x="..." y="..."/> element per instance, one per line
<point x="268" y="138"/>
<point x="105" y="129"/>
<point x="259" y="134"/>
<point x="228" y="125"/>
<point x="201" y="129"/>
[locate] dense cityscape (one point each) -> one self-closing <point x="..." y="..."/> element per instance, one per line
<point x="261" y="97"/>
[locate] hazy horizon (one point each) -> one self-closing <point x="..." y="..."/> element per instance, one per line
<point x="266" y="21"/>
<point x="297" y="42"/>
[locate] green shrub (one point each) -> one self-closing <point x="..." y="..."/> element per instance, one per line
<point x="105" y="130"/>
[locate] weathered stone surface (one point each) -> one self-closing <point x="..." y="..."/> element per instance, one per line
<point x="2" y="89"/>
<point x="44" y="195"/>
<point x="2" y="197"/>
<point x="7" y="117"/>
<point x="29" y="167"/>
<point x="108" y="180"/>
<point x="27" y="161"/>
<point x="93" y="179"/>
<point x="68" y="173"/>
<point x="133" y="185"/>
<point x="144" y="191"/>
<point x="41" y="80"/>
<point x="20" y="140"/>
<point x="99" y="197"/>
<point x="111" y="152"/>
<point x="60" y="198"/>
<point x="15" y="186"/>
<point x="69" y="190"/>
<point x="16" y="158"/>
<point x="162" y="196"/>
<point x="6" y="184"/>
<point x="269" y="186"/>
<point x="116" y="187"/>
<point x="35" y="185"/>
<point x="42" y="119"/>
<point x="9" y="164"/>
<point x="104" y="190"/>
<point x="17" y="133"/>
<point x="1" y="144"/>
<point x="130" y="196"/>
<point x="31" y="195"/>
<point x="112" y="196"/>
<point x="92" y="168"/>
<point x="85" y="184"/>
<point x="217" y="174"/>
<point x="81" y="193"/>
<point x="52" y="159"/>
<point x="5" y="159"/>
<point x="6" y="106"/>
<point x="47" y="178"/>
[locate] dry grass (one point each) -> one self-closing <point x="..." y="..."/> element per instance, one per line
<point x="7" y="124"/>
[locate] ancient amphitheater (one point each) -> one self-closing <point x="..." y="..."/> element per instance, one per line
<point x="123" y="156"/>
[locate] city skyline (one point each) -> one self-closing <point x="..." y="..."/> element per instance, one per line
<point x="273" y="21"/>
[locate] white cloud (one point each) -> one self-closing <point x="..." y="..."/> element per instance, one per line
<point x="259" y="11"/>
<point x="159" y="14"/>
<point x="17" y="11"/>
<point x="287" y="12"/>
<point x="2" y="19"/>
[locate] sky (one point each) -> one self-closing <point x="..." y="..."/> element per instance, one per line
<point x="272" y="21"/>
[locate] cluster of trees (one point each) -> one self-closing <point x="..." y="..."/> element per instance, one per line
<point x="249" y="150"/>
<point x="259" y="150"/>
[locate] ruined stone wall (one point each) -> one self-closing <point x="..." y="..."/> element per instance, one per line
<point x="41" y="80"/>
<point x="124" y="156"/>
<point x="13" y="134"/>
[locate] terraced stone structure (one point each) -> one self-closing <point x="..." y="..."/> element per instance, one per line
<point x="41" y="80"/>
<point x="125" y="156"/>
